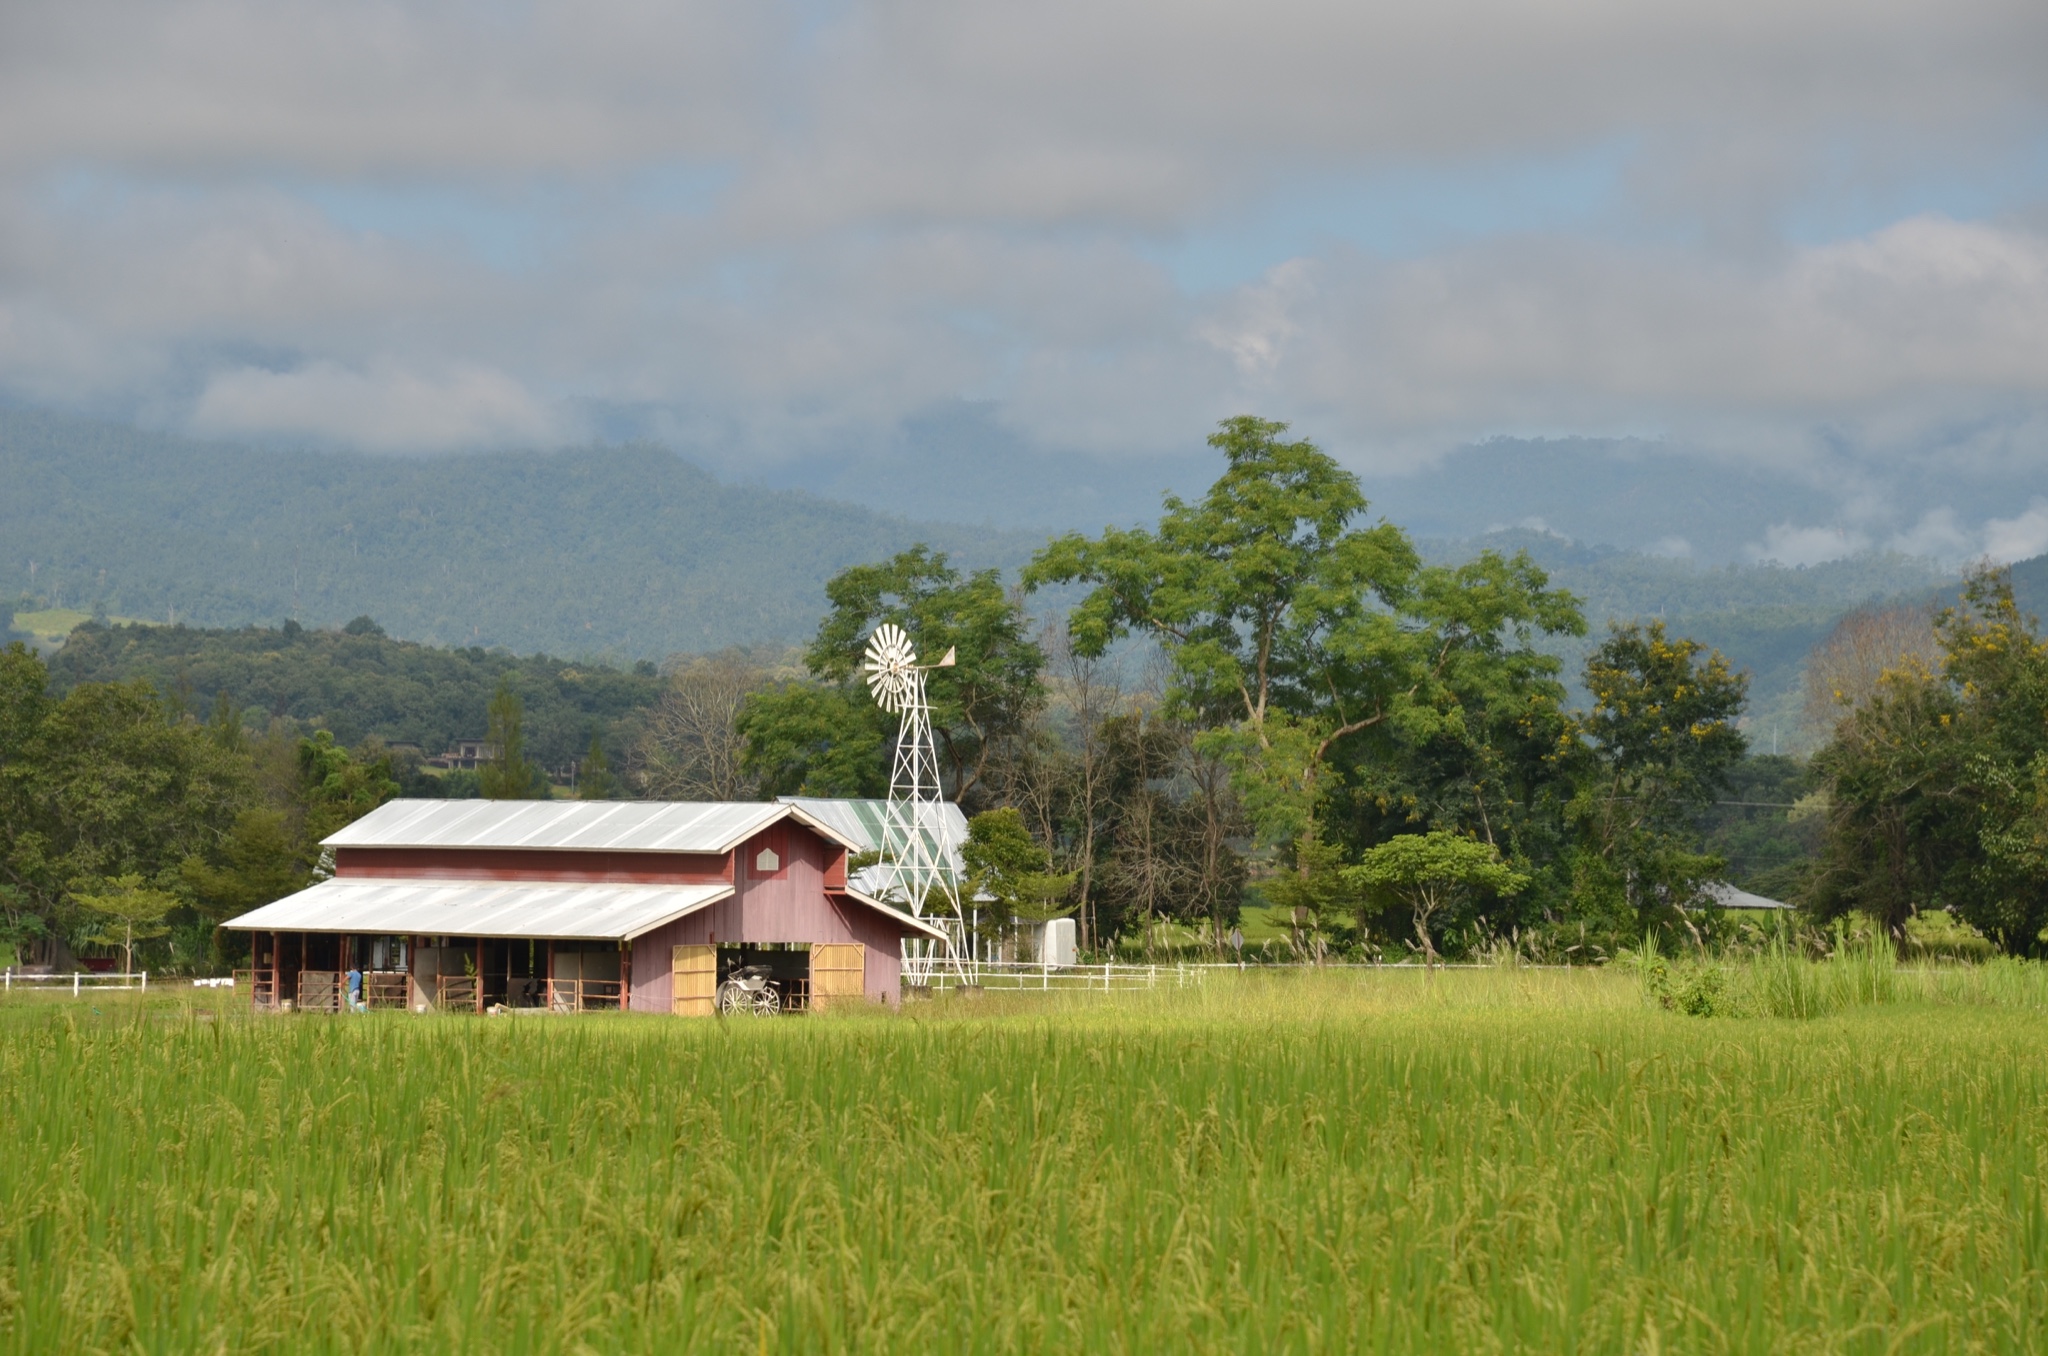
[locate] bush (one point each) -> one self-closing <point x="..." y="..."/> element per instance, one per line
<point x="1939" y="935"/>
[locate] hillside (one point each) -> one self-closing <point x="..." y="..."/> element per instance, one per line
<point x="1764" y="618"/>
<point x="624" y="552"/>
<point x="359" y="682"/>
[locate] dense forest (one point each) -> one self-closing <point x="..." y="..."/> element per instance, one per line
<point x="356" y="682"/>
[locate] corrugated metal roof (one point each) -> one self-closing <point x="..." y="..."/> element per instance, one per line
<point x="480" y="908"/>
<point x="593" y="825"/>
<point x="1727" y="896"/>
<point x="901" y="917"/>
<point x="862" y="821"/>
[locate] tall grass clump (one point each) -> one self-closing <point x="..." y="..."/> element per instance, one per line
<point x="1782" y="982"/>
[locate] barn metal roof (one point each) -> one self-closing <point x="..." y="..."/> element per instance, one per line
<point x="481" y="908"/>
<point x="1727" y="896"/>
<point x="907" y="920"/>
<point x="594" y="825"/>
<point x="864" y="821"/>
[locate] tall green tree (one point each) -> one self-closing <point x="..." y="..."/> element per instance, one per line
<point x="1938" y="781"/>
<point x="1277" y="608"/>
<point x="1427" y="872"/>
<point x="103" y="783"/>
<point x="813" y="740"/>
<point x="595" y="780"/>
<point x="125" y="911"/>
<point x="1296" y="630"/>
<point x="509" y="774"/>
<point x="981" y="705"/>
<point x="1661" y="739"/>
<point x="1013" y="871"/>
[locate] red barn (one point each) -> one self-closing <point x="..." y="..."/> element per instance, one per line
<point x="573" y="905"/>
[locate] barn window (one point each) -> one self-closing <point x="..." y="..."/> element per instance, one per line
<point x="767" y="863"/>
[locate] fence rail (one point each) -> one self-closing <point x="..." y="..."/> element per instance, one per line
<point x="80" y="980"/>
<point x="584" y="995"/>
<point x="1107" y="978"/>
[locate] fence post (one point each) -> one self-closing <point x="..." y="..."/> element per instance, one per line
<point x="74" y="983"/>
<point x="145" y="981"/>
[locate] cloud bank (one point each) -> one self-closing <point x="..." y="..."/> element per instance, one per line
<point x="1810" y="233"/>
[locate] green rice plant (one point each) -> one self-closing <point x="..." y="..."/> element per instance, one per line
<point x="1352" y="1160"/>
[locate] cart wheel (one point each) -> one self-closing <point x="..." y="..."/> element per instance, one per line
<point x="731" y="997"/>
<point x="768" y="1002"/>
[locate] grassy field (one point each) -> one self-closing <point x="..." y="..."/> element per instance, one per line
<point x="52" y="624"/>
<point x="1506" y="1160"/>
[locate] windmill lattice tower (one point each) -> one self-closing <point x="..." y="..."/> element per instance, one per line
<point x="915" y="852"/>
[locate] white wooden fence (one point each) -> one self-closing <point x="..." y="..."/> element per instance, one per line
<point x="78" y="981"/>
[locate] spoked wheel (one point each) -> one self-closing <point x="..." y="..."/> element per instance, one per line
<point x="768" y="1002"/>
<point x="733" y="997"/>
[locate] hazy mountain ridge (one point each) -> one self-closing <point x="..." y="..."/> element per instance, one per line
<point x="629" y="552"/>
<point x="632" y="552"/>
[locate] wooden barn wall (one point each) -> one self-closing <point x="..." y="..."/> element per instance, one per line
<point x="788" y="904"/>
<point x="611" y="868"/>
<point x="653" y="965"/>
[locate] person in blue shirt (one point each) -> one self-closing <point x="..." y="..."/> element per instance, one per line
<point x="355" y="991"/>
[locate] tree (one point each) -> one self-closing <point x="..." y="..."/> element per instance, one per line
<point x="1013" y="870"/>
<point x="1293" y="629"/>
<point x="980" y="705"/>
<point x="1938" y="781"/>
<point x="693" y="748"/>
<point x="128" y="912"/>
<point x="508" y="775"/>
<point x="1275" y="607"/>
<point x="337" y="788"/>
<point x="102" y="783"/>
<point x="595" y="780"/>
<point x="264" y="857"/>
<point x="1844" y="671"/>
<point x="811" y="740"/>
<point x="1427" y="871"/>
<point x="1662" y="738"/>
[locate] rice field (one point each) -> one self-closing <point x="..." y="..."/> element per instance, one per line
<point x="1356" y="1161"/>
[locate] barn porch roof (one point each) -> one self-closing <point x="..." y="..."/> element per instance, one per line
<point x="460" y="908"/>
<point x="470" y="908"/>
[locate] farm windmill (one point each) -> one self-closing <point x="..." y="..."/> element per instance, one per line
<point x="915" y="853"/>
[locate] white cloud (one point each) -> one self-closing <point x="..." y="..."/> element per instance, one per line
<point x="1787" y="544"/>
<point x="382" y="410"/>
<point x="1938" y="535"/>
<point x="2020" y="537"/>
<point x="891" y="204"/>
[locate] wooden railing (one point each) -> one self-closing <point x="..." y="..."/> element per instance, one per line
<point x="386" y="989"/>
<point x="320" y="991"/>
<point x="262" y="988"/>
<point x="458" y="993"/>
<point x="583" y="995"/>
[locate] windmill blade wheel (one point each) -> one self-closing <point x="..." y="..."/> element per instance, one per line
<point x="891" y="665"/>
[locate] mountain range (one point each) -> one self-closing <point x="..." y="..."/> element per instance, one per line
<point x="627" y="553"/>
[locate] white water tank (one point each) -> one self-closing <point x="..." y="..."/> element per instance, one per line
<point x="1059" y="942"/>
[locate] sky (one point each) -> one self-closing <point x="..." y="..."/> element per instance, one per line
<point x="1806" y="239"/>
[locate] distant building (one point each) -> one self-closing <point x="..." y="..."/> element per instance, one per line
<point x="575" y="905"/>
<point x="468" y="755"/>
<point x="1726" y="896"/>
